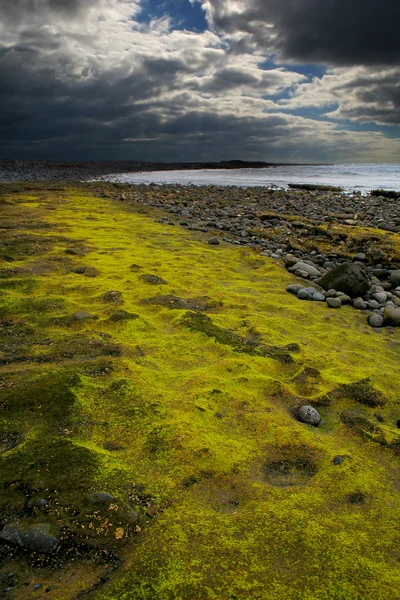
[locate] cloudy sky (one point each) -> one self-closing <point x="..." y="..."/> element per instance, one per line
<point x="182" y="80"/>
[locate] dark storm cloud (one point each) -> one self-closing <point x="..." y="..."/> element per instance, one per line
<point x="373" y="99"/>
<point x="23" y="10"/>
<point x="335" y="32"/>
<point x="81" y="79"/>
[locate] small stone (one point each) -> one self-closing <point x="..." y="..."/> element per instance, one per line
<point x="373" y="304"/>
<point x="82" y="315"/>
<point x="318" y="297"/>
<point x="360" y="257"/>
<point x="375" y="320"/>
<point x="294" y="288"/>
<point x="380" y="297"/>
<point x="359" y="304"/>
<point x="381" y="273"/>
<point x="309" y="415"/>
<point x="338" y="460"/>
<point x="344" y="299"/>
<point x="290" y="261"/>
<point x="334" y="302"/>
<point x="37" y="587"/>
<point x="213" y="241"/>
<point x="329" y="265"/>
<point x="100" y="498"/>
<point x="301" y="273"/>
<point x="302" y="266"/>
<point x="303" y="295"/>
<point x="72" y="252"/>
<point x="79" y="270"/>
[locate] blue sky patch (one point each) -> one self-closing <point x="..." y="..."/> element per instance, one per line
<point x="183" y="13"/>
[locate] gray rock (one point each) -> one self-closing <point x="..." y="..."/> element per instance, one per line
<point x="302" y="266"/>
<point x="290" y="260"/>
<point x="294" y="288"/>
<point x="304" y="295"/>
<point x="344" y="298"/>
<point x="391" y="316"/>
<point x="308" y="414"/>
<point x="213" y="241"/>
<point x="380" y="297"/>
<point x="82" y="315"/>
<point x="329" y="265"/>
<point x="359" y="304"/>
<point x="360" y="257"/>
<point x="381" y="273"/>
<point x="395" y="278"/>
<point x="337" y="460"/>
<point x="349" y="278"/>
<point x="375" y="320"/>
<point x="334" y="302"/>
<point x="36" y="537"/>
<point x="100" y="498"/>
<point x="373" y="304"/>
<point x="318" y="297"/>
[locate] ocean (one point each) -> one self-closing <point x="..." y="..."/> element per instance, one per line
<point x="358" y="177"/>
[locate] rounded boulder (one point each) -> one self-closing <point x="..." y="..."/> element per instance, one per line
<point x="349" y="278"/>
<point x="309" y="415"/>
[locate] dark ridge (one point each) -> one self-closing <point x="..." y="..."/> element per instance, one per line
<point x="315" y="187"/>
<point x="386" y="194"/>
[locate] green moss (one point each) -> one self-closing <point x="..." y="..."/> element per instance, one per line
<point x="203" y="324"/>
<point x="185" y="419"/>
<point x="362" y="392"/>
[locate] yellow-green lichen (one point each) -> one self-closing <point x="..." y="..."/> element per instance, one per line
<point x="235" y="498"/>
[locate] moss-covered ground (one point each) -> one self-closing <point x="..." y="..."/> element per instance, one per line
<point x="182" y="408"/>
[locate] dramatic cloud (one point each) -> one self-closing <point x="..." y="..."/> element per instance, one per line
<point x="360" y="94"/>
<point x="103" y="79"/>
<point x="339" y="32"/>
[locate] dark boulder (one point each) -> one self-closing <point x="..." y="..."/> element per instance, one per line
<point x="37" y="537"/>
<point x="349" y="278"/>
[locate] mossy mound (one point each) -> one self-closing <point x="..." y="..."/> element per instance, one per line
<point x="182" y="422"/>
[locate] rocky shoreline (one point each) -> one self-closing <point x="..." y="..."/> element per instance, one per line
<point x="278" y="222"/>
<point x="312" y="229"/>
<point x="61" y="171"/>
